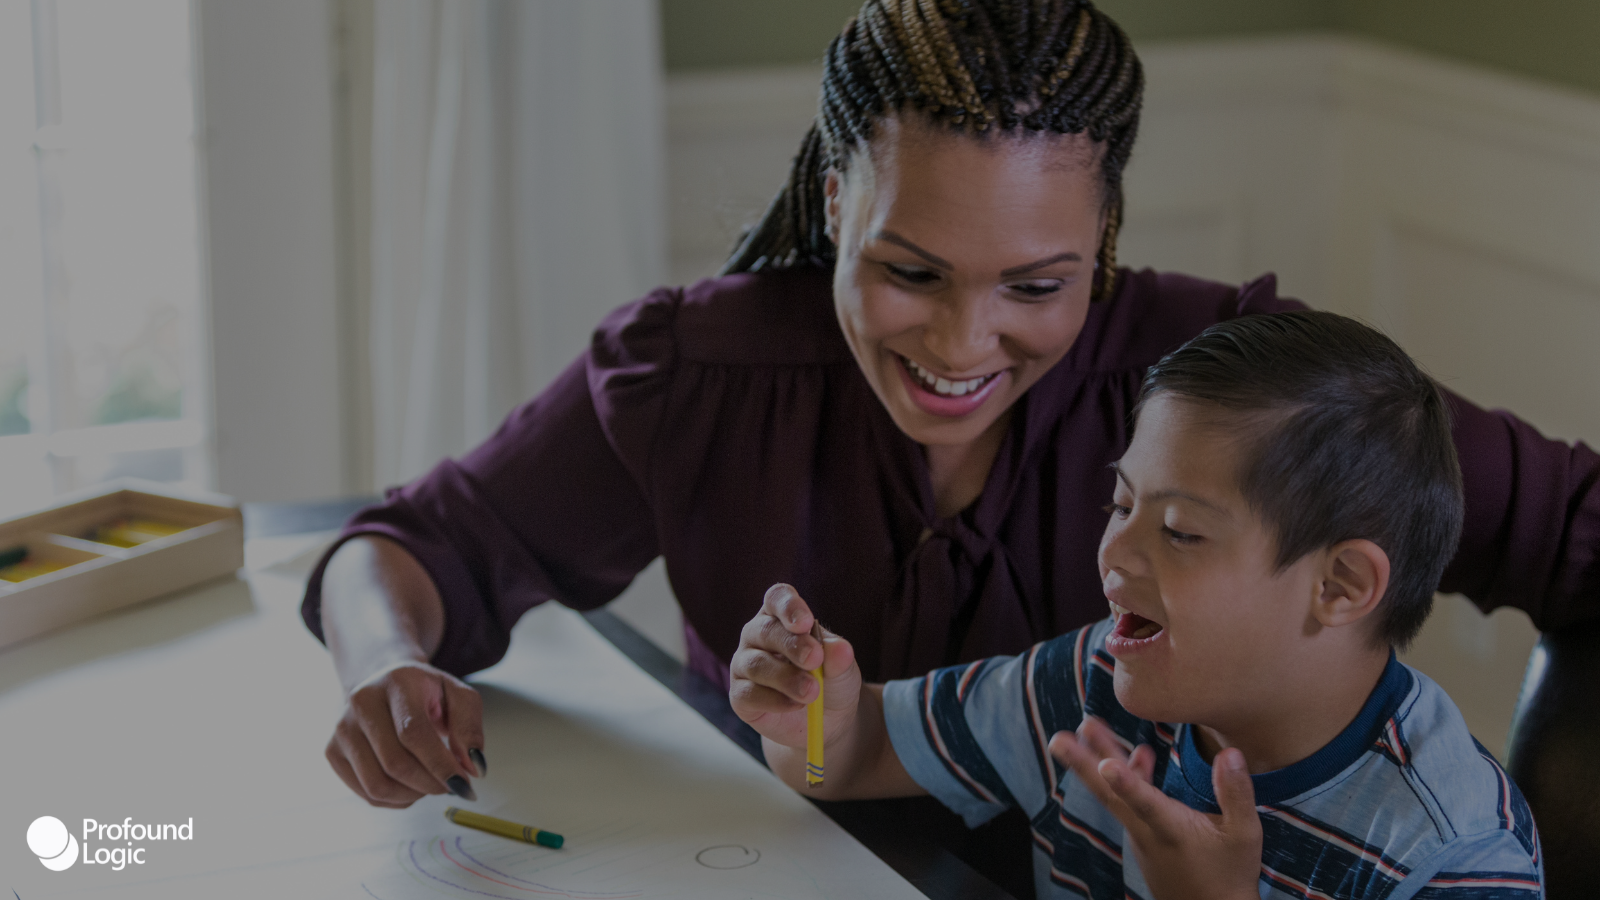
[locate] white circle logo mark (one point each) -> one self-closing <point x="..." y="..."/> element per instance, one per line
<point x="55" y="846"/>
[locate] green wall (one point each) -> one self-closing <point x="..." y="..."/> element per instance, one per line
<point x="1554" y="40"/>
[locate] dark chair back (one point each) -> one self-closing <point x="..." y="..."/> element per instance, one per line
<point x="1554" y="756"/>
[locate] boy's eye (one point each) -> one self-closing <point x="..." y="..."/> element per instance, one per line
<point x="911" y="274"/>
<point x="1118" y="510"/>
<point x="1179" y="537"/>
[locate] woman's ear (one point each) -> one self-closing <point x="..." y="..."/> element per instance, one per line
<point x="831" y="185"/>
<point x="1355" y="577"/>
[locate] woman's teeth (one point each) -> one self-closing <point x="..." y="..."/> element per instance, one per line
<point x="943" y="386"/>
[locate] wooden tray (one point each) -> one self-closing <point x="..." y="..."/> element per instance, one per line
<point x="97" y="575"/>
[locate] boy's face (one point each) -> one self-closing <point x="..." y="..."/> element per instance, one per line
<point x="1207" y="631"/>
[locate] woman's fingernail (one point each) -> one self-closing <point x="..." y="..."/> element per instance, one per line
<point x="477" y="760"/>
<point x="460" y="788"/>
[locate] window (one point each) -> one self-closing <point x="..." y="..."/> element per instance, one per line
<point x="102" y="353"/>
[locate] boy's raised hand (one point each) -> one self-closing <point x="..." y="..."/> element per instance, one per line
<point x="1184" y="854"/>
<point x="771" y="671"/>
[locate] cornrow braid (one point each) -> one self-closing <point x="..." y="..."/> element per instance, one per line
<point x="1045" y="66"/>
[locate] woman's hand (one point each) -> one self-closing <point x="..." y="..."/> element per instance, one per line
<point x="1183" y="853"/>
<point x="407" y="731"/>
<point x="771" y="672"/>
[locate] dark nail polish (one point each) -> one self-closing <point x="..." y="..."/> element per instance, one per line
<point x="460" y="788"/>
<point x="477" y="758"/>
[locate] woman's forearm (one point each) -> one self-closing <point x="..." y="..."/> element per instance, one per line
<point x="379" y="609"/>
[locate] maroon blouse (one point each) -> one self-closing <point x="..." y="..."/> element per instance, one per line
<point x="727" y="427"/>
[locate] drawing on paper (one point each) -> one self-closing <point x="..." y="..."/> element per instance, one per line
<point x="728" y="856"/>
<point x="618" y="861"/>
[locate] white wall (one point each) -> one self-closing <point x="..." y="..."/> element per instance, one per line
<point x="1458" y="209"/>
<point x="266" y="80"/>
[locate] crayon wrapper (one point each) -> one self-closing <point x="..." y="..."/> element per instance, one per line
<point x="814" y="768"/>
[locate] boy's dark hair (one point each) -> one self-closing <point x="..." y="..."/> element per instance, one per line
<point x="1351" y="440"/>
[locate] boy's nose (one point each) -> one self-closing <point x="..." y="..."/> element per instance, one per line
<point x="1117" y="553"/>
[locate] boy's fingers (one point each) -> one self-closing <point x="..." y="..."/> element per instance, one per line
<point x="1101" y="739"/>
<point x="1236" y="793"/>
<point x="751" y="701"/>
<point x="1142" y="799"/>
<point x="1143" y="762"/>
<point x="772" y="671"/>
<point x="838" y="655"/>
<point x="767" y="633"/>
<point x="783" y="602"/>
<point x="1071" y="752"/>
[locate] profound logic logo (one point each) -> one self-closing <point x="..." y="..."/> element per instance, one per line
<point x="55" y="846"/>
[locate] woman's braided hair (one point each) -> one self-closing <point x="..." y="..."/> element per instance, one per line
<point x="981" y="66"/>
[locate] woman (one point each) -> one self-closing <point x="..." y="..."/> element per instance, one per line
<point x="900" y="397"/>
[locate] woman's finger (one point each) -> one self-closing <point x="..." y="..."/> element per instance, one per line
<point x="370" y="707"/>
<point x="783" y="602"/>
<point x="341" y="767"/>
<point x="376" y="784"/>
<point x="415" y="709"/>
<point x="463" y="721"/>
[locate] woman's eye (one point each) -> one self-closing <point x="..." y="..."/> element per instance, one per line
<point x="1179" y="537"/>
<point x="1118" y="510"/>
<point x="1035" y="290"/>
<point x="912" y="275"/>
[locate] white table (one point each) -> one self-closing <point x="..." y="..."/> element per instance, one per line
<point x="214" y="706"/>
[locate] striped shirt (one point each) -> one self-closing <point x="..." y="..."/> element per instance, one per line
<point x="1403" y="803"/>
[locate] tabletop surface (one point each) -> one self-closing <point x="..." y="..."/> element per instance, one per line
<point x="908" y="835"/>
<point x="212" y="705"/>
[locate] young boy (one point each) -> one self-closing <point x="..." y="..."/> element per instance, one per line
<point x="1240" y="726"/>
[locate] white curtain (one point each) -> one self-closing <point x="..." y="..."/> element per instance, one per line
<point x="517" y="159"/>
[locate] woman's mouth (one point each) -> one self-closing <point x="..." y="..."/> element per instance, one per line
<point x="942" y="396"/>
<point x="1132" y="632"/>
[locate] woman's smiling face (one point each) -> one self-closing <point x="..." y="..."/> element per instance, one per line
<point x="964" y="268"/>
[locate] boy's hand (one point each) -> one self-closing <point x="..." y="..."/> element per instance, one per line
<point x="771" y="672"/>
<point x="1184" y="854"/>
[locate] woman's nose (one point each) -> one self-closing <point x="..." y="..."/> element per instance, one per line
<point x="960" y="334"/>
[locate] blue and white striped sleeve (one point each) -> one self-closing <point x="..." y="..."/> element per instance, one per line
<point x="1494" y="865"/>
<point x="975" y="736"/>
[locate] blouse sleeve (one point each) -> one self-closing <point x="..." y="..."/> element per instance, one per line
<point x="553" y="506"/>
<point x="1531" y="539"/>
<point x="1532" y="534"/>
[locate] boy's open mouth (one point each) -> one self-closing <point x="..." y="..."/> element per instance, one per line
<point x="1134" y="627"/>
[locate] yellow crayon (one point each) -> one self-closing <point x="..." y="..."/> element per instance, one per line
<point x="505" y="829"/>
<point x="814" y="768"/>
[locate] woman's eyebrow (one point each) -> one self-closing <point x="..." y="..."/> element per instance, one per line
<point x="1059" y="257"/>
<point x="891" y="237"/>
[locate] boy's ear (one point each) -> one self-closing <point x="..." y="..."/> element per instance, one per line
<point x="1354" y="579"/>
